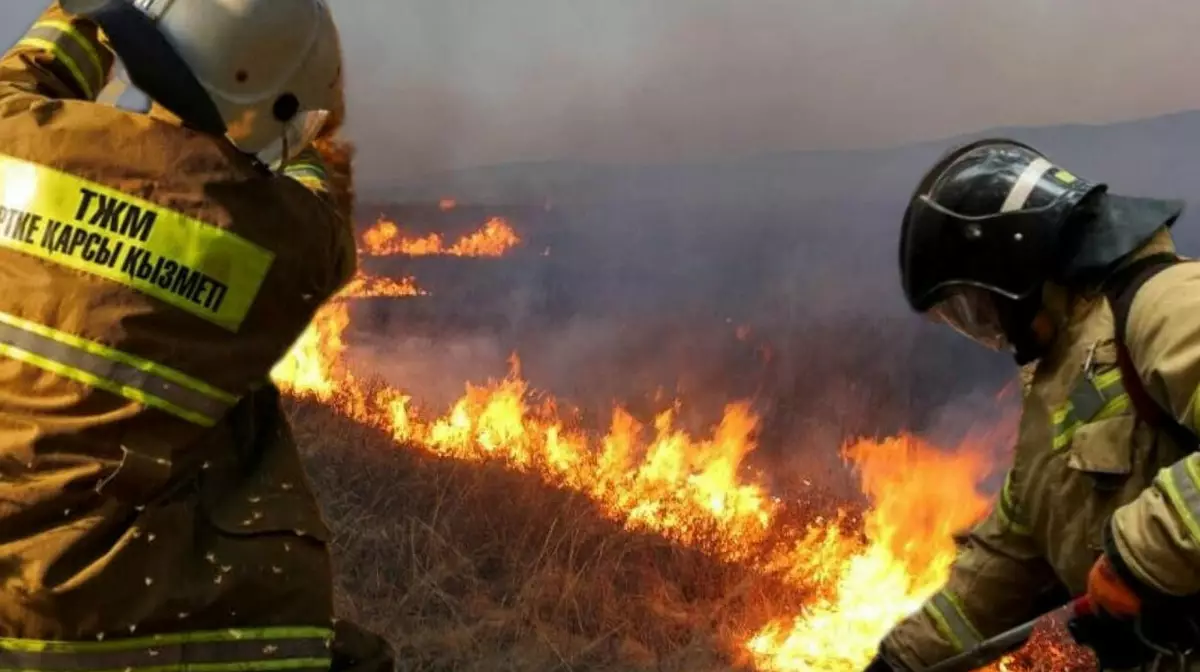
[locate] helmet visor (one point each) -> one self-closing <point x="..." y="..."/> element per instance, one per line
<point x="971" y="311"/>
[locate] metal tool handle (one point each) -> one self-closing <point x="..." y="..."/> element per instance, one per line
<point x="991" y="649"/>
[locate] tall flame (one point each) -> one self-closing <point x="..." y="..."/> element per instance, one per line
<point x="921" y="497"/>
<point x="660" y="478"/>
<point x="493" y="239"/>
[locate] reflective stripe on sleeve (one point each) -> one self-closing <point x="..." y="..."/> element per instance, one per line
<point x="308" y="169"/>
<point x="1097" y="398"/>
<point x="209" y="651"/>
<point x="70" y="48"/>
<point x="1195" y="402"/>
<point x="1007" y="509"/>
<point x="313" y="183"/>
<point x="1181" y="483"/>
<point x="114" y="371"/>
<point x="946" y="610"/>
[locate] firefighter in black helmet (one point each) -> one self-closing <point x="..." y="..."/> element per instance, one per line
<point x="994" y="221"/>
<point x="1103" y="498"/>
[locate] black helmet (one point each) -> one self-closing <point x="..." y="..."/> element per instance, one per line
<point x="980" y="238"/>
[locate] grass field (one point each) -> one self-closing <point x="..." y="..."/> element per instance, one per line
<point x="473" y="567"/>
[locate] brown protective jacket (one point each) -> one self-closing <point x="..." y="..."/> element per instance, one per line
<point x="152" y="277"/>
<point x="1082" y="456"/>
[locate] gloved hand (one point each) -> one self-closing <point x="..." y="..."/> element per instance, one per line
<point x="1114" y="641"/>
<point x="1110" y="593"/>
<point x="1109" y="630"/>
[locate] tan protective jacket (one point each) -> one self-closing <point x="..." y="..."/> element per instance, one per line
<point x="153" y="508"/>
<point x="1081" y="457"/>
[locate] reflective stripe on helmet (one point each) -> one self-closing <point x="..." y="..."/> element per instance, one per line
<point x="120" y="373"/>
<point x="1181" y="483"/>
<point x="202" y="269"/>
<point x="70" y="48"/>
<point x="946" y="611"/>
<point x="1024" y="185"/>
<point x="234" y="650"/>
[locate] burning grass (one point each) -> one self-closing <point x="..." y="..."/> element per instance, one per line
<point x="470" y="565"/>
<point x="476" y="567"/>
<point x="493" y="239"/>
<point x="505" y="534"/>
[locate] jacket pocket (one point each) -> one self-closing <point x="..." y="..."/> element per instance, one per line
<point x="1104" y="448"/>
<point x="1105" y="453"/>
<point x="266" y="506"/>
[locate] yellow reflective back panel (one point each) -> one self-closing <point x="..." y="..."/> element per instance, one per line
<point x="200" y="268"/>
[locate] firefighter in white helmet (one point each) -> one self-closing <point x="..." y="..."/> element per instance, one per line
<point x="265" y="74"/>
<point x="154" y="511"/>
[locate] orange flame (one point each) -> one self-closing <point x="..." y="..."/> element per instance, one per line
<point x="921" y="497"/>
<point x="493" y="239"/>
<point x="662" y="479"/>
<point x="447" y="204"/>
<point x="362" y="286"/>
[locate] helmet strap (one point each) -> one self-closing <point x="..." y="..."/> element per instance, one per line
<point x="1016" y="317"/>
<point x="156" y="68"/>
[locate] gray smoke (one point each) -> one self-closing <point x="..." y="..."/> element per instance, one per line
<point x="438" y="84"/>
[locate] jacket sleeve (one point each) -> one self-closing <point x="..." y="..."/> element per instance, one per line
<point x="1155" y="539"/>
<point x="61" y="56"/>
<point x="309" y="169"/>
<point x="998" y="580"/>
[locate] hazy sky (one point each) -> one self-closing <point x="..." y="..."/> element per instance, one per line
<point x="437" y="84"/>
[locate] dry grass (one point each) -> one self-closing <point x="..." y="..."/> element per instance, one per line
<point x="473" y="567"/>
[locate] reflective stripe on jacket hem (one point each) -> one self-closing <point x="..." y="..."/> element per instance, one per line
<point x="120" y="373"/>
<point x="946" y="611"/>
<point x="234" y="650"/>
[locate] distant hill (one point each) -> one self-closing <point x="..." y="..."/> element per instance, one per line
<point x="1159" y="156"/>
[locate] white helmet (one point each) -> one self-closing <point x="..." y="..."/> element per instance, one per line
<point x="272" y="69"/>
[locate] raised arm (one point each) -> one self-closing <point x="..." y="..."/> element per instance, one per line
<point x="60" y="57"/>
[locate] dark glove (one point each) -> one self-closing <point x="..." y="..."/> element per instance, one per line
<point x="1115" y="642"/>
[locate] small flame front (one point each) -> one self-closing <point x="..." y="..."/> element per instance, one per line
<point x="493" y="239"/>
